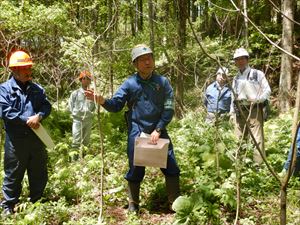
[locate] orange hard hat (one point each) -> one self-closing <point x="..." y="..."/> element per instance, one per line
<point x="20" y="58"/>
<point x="85" y="73"/>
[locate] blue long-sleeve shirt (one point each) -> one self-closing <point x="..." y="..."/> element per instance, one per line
<point x="217" y="99"/>
<point x="150" y="102"/>
<point x="20" y="101"/>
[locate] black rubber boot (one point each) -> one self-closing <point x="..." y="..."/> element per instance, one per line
<point x="133" y="194"/>
<point x="8" y="209"/>
<point x="172" y="186"/>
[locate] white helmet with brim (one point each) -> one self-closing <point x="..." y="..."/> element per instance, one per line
<point x="140" y="50"/>
<point x="240" y="52"/>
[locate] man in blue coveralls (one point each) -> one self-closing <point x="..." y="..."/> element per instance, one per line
<point x="23" y="104"/>
<point x="217" y="97"/>
<point x="149" y="97"/>
<point x="296" y="171"/>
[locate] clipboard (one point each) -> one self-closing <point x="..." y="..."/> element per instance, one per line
<point x="43" y="135"/>
<point x="146" y="154"/>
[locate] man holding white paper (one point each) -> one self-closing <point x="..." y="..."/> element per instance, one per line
<point x="23" y="105"/>
<point x="149" y="97"/>
<point x="252" y="90"/>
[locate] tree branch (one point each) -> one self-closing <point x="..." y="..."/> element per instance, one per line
<point x="264" y="35"/>
<point x="278" y="10"/>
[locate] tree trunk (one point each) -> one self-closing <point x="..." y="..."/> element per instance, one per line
<point x="57" y="96"/>
<point x="110" y="53"/>
<point x="297" y="107"/>
<point x="246" y="23"/>
<point x="286" y="61"/>
<point x="194" y="9"/>
<point x="206" y="22"/>
<point x="141" y="23"/>
<point x="139" y="15"/>
<point x="132" y="20"/>
<point x="181" y="30"/>
<point x="151" y="23"/>
<point x="283" y="193"/>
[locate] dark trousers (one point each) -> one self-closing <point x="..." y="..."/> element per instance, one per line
<point x="137" y="173"/>
<point x="21" y="154"/>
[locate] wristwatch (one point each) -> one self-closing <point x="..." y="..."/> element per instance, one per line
<point x="40" y="117"/>
<point x="158" y="130"/>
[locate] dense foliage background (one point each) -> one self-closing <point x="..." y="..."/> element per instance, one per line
<point x="72" y="194"/>
<point x="65" y="37"/>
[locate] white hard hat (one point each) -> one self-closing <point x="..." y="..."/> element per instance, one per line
<point x="240" y="52"/>
<point x="222" y="70"/>
<point x="140" y="50"/>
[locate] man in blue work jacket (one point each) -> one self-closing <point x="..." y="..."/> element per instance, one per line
<point x="217" y="97"/>
<point x="296" y="170"/>
<point x="149" y="98"/>
<point x="23" y="105"/>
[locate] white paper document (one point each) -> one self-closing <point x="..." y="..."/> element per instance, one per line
<point x="145" y="135"/>
<point x="44" y="136"/>
<point x="147" y="154"/>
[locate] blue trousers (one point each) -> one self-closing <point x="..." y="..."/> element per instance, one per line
<point x="137" y="173"/>
<point x="289" y="160"/>
<point x="24" y="152"/>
